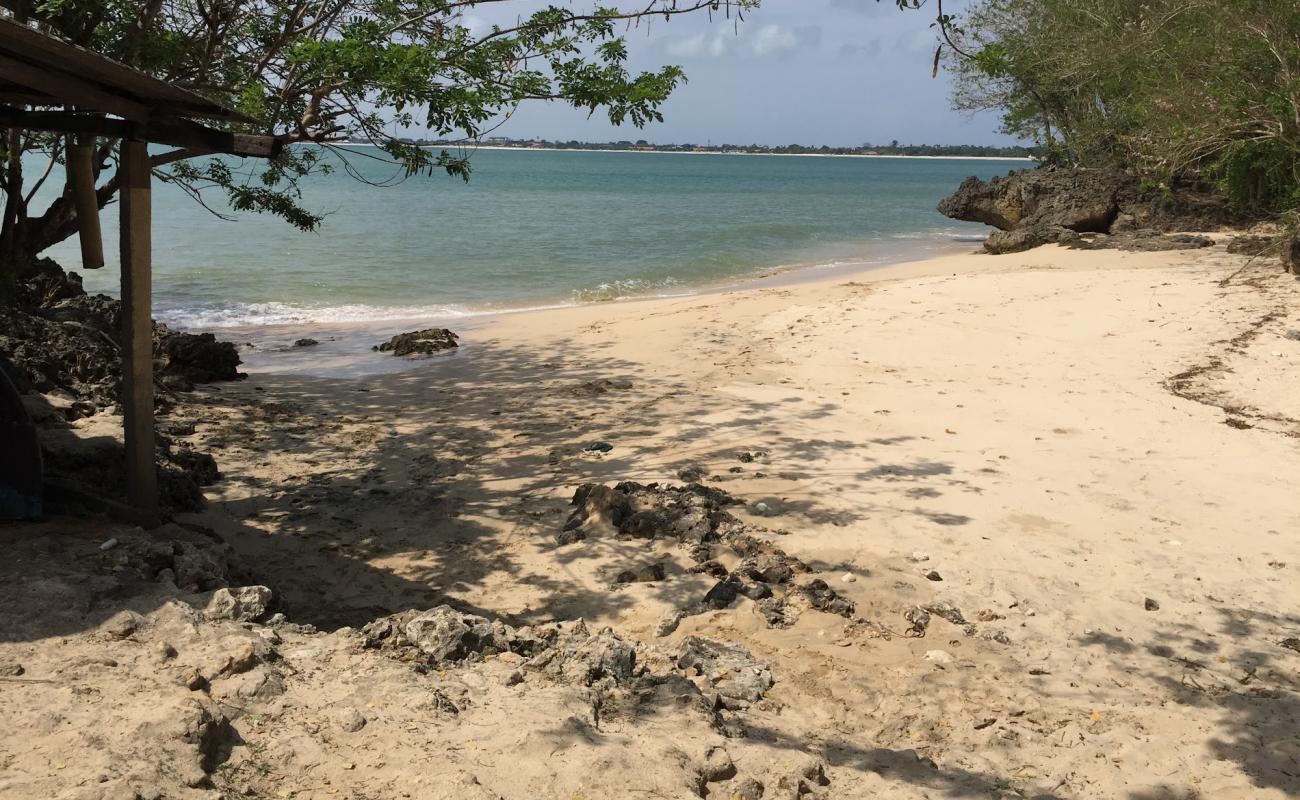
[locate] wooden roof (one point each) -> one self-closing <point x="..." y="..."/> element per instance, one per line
<point x="43" y="71"/>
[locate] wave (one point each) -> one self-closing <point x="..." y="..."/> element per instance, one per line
<point x="628" y="287"/>
<point x="239" y="315"/>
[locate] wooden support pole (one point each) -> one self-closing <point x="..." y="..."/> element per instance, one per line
<point x="137" y="325"/>
<point x="81" y="179"/>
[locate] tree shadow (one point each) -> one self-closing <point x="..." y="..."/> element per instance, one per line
<point x="1235" y="666"/>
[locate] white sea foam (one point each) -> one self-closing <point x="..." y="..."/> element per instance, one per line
<point x="631" y="287"/>
<point x="239" y="315"/>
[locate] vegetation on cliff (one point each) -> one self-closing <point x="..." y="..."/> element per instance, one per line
<point x="1168" y="89"/>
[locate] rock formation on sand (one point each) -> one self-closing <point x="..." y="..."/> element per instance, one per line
<point x="59" y="346"/>
<point x="1032" y="207"/>
<point x="419" y="343"/>
<point x="203" y="689"/>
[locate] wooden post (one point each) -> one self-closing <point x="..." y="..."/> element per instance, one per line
<point x="81" y="178"/>
<point x="137" y="325"/>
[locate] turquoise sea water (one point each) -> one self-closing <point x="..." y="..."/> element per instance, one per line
<point x="538" y="228"/>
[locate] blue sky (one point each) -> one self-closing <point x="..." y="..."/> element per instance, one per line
<point x="837" y="72"/>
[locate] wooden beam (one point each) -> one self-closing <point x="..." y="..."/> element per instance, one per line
<point x="175" y="132"/>
<point x="137" y="325"/>
<point x="81" y="180"/>
<point x="70" y="89"/>
<point x="53" y="54"/>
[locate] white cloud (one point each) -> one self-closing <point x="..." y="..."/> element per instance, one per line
<point x="701" y="44"/>
<point x="773" y="40"/>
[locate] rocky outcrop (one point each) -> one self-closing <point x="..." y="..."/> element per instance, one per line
<point x="60" y="347"/>
<point x="419" y="343"/>
<point x="1291" y="252"/>
<point x="1045" y="205"/>
<point x="60" y="338"/>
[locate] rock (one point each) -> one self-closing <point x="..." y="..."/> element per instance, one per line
<point x="777" y="612"/>
<point x="918" y="556"/>
<point x="649" y="573"/>
<point x="941" y="658"/>
<point x="946" y="610"/>
<point x="350" y="720"/>
<point x="933" y="575"/>
<point x="425" y="342"/>
<point x="848" y="577"/>
<point x="711" y="568"/>
<point x="918" y="620"/>
<point x="11" y="669"/>
<point x="123" y="624"/>
<point x="1051" y="204"/>
<point x="600" y="387"/>
<point x="165" y="651"/>
<point x="585" y="659"/>
<point x="1141" y="241"/>
<point x="1150" y="604"/>
<point x="1292" y="643"/>
<point x="998" y="636"/>
<point x="241" y="658"/>
<point x="1290" y="251"/>
<point x="193" y="680"/>
<point x="305" y="342"/>
<point x="742" y="789"/>
<point x="769" y="568"/>
<point x="190" y="358"/>
<point x="1252" y="245"/>
<point x="733" y="672"/>
<point x="242" y="604"/>
<point x="823" y="598"/>
<point x="692" y="474"/>
<point x="447" y="635"/>
<point x="723" y="593"/>
<point x="717" y="766"/>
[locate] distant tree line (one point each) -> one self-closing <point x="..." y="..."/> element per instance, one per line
<point x="892" y="149"/>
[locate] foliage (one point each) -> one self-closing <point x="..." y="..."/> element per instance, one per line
<point x="1170" y="88"/>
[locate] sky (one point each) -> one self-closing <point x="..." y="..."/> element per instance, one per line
<point x="812" y="72"/>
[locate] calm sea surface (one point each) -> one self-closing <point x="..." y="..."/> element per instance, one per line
<point x="536" y="228"/>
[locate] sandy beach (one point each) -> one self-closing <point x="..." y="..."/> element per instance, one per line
<point x="1089" y="456"/>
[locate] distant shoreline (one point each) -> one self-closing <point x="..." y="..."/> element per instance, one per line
<point x="703" y="152"/>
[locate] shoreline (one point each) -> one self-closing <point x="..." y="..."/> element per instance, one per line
<point x="700" y="152"/>
<point x="344" y="349"/>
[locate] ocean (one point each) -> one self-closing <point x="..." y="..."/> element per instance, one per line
<point x="536" y="229"/>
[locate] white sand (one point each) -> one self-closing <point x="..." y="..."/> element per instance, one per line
<point x="1012" y="419"/>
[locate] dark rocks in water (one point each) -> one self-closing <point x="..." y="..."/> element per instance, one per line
<point x="1039" y="206"/>
<point x="305" y="342"/>
<point x="425" y="342"/>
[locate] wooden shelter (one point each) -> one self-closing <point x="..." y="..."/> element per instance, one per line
<point x="48" y="84"/>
